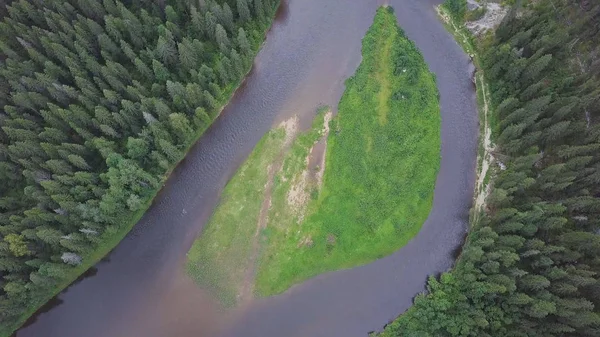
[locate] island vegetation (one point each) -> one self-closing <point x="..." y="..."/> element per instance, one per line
<point x="349" y="190"/>
<point x="530" y="263"/>
<point x="99" y="100"/>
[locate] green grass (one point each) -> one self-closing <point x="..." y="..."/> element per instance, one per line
<point x="382" y="159"/>
<point x="219" y="258"/>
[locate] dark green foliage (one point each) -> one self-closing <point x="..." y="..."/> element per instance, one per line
<point x="99" y="100"/>
<point x="530" y="265"/>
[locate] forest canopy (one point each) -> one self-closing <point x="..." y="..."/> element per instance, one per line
<point x="530" y="265"/>
<point x="99" y="100"/>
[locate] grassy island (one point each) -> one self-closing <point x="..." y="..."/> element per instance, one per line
<point x="352" y="189"/>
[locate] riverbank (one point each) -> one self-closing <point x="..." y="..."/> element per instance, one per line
<point x="486" y="165"/>
<point x="485" y="158"/>
<point x="337" y="199"/>
<point x="111" y="238"/>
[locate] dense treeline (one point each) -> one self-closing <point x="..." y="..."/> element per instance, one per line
<point x="100" y="98"/>
<point x="530" y="266"/>
<point x="456" y="8"/>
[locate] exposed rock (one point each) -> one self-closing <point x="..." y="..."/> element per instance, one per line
<point x="472" y="5"/>
<point x="88" y="231"/>
<point x="71" y="258"/>
<point x="492" y="18"/>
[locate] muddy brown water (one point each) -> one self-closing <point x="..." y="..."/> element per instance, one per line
<point x="312" y="48"/>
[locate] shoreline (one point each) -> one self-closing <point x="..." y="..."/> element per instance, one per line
<point x="485" y="158"/>
<point x="304" y="237"/>
<point x="113" y="240"/>
<point x="484" y="171"/>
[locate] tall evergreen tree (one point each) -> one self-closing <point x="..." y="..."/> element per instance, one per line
<point x="243" y="11"/>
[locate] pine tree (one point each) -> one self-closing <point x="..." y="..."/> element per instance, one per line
<point x="166" y="48"/>
<point x="243" y="11"/>
<point x="181" y="128"/>
<point x="238" y="64"/>
<point x="259" y="10"/>
<point x="171" y="15"/>
<point x="161" y="73"/>
<point x="242" y="41"/>
<point x="187" y="56"/>
<point x="221" y="38"/>
<point x="228" y="18"/>
<point x="169" y="150"/>
<point x="223" y="73"/>
<point x="209" y="101"/>
<point x="197" y="19"/>
<point x="210" y="23"/>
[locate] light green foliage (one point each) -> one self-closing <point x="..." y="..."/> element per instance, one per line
<point x="382" y="161"/>
<point x="220" y="257"/>
<point x="17" y="245"/>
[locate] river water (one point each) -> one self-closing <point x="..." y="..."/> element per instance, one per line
<point x="314" y="45"/>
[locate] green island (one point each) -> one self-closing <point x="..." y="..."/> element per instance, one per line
<point x="353" y="188"/>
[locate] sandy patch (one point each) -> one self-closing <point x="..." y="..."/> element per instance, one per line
<point x="306" y="241"/>
<point x="291" y="127"/>
<point x="298" y="195"/>
<point x="320" y="169"/>
<point x="482" y="190"/>
<point x="312" y="175"/>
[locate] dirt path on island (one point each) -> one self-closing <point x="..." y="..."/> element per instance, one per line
<point x="297" y="196"/>
<point x="291" y="127"/>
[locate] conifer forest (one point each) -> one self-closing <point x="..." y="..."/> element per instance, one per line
<point x="100" y="99"/>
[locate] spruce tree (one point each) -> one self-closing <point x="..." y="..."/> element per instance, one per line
<point x="243" y="11"/>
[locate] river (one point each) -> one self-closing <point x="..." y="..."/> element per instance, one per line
<point x="314" y="45"/>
